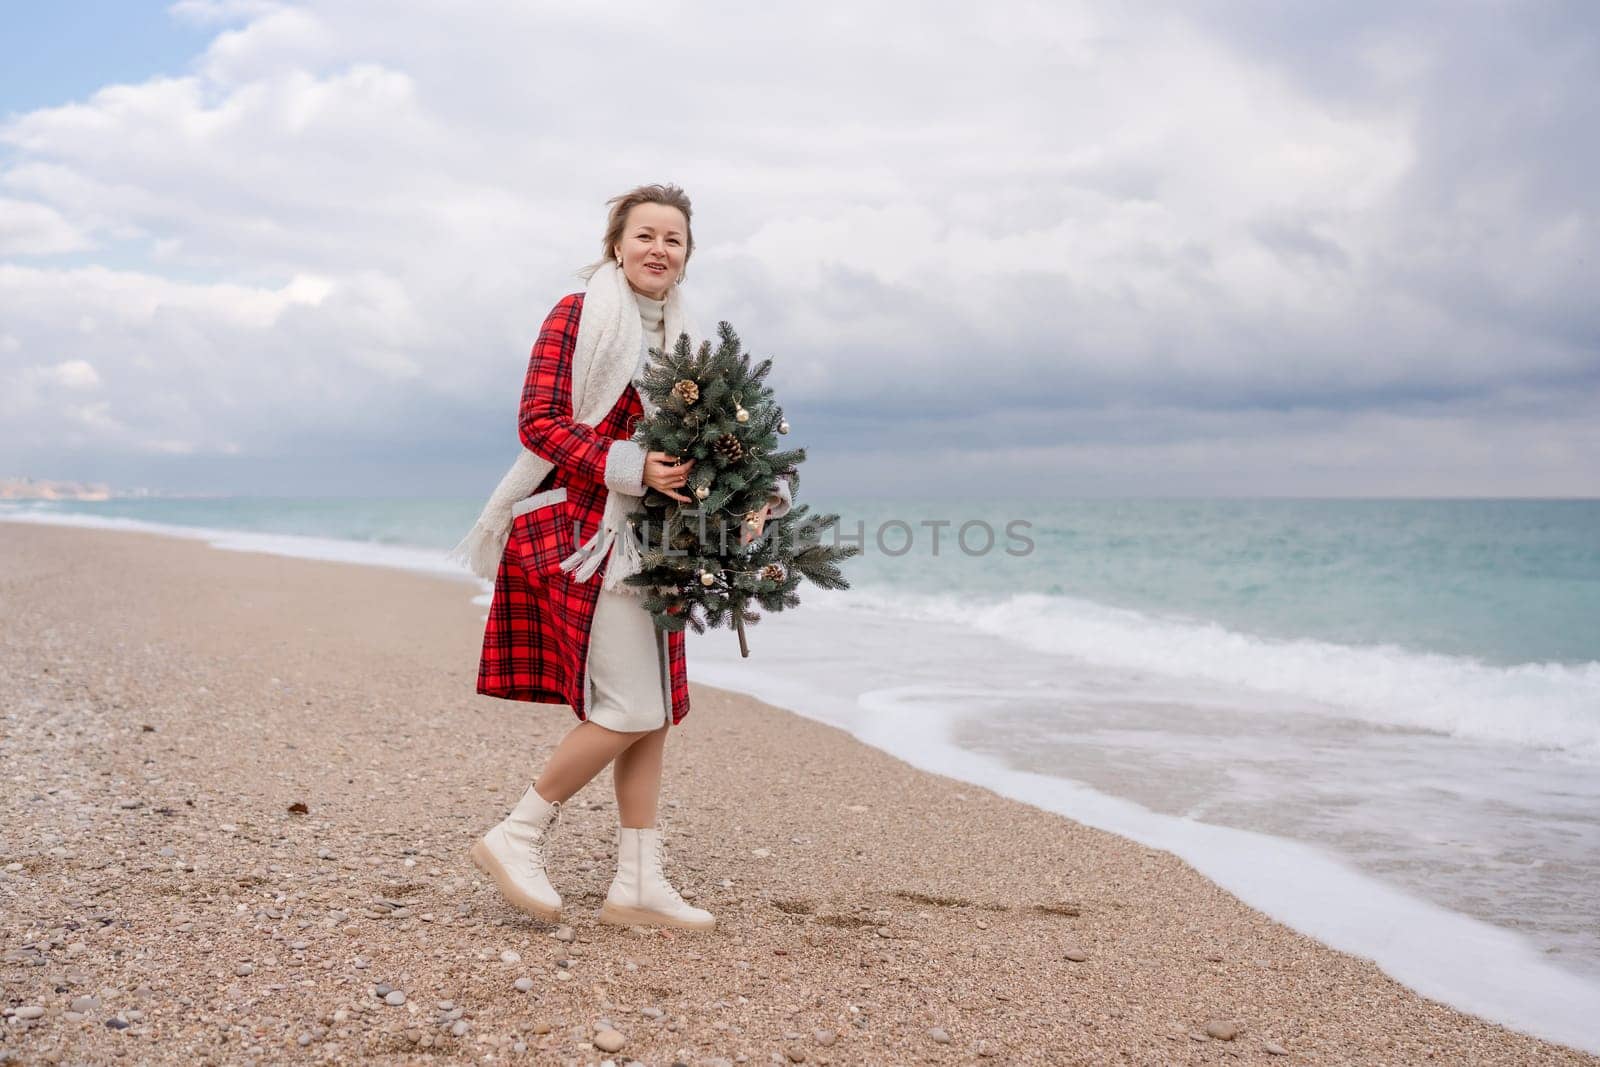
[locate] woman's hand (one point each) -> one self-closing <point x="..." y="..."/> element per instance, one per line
<point x="667" y="474"/>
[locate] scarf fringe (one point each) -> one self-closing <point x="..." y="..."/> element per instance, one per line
<point x="480" y="550"/>
<point x="614" y="544"/>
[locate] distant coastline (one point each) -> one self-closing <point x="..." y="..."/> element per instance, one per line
<point x="25" y="488"/>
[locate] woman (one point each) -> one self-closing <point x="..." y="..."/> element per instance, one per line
<point x="562" y="627"/>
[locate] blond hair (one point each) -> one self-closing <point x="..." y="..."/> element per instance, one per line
<point x="617" y="221"/>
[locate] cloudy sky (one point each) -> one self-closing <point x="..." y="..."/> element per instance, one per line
<point x="1236" y="247"/>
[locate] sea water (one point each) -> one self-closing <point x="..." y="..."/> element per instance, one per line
<point x="1376" y="720"/>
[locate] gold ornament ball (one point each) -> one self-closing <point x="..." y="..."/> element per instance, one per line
<point x="701" y="492"/>
<point x="707" y="578"/>
<point x="741" y="415"/>
<point x="783" y="427"/>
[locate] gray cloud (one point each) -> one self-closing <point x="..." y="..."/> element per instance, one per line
<point x="1312" y="248"/>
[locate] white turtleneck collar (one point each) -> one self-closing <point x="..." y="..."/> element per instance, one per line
<point x="652" y="314"/>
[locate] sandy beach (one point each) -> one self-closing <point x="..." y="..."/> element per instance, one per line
<point x="239" y="791"/>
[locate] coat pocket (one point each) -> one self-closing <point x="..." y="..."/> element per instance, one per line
<point x="541" y="532"/>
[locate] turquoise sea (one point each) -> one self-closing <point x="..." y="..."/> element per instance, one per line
<point x="1505" y="582"/>
<point x="1377" y="720"/>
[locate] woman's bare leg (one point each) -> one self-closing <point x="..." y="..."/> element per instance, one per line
<point x="578" y="758"/>
<point x="638" y="777"/>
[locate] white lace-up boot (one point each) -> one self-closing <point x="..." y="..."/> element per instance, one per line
<point x="513" y="854"/>
<point x="640" y="894"/>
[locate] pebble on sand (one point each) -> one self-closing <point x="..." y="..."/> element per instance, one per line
<point x="1222" y="1029"/>
<point x="608" y="1041"/>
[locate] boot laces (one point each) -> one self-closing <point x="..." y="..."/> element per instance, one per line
<point x="541" y="837"/>
<point x="657" y="867"/>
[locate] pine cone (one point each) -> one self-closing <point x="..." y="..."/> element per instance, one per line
<point x="686" y="391"/>
<point x="729" y="448"/>
<point x="772" y="573"/>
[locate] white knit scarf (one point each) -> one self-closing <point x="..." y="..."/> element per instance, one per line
<point x="610" y="338"/>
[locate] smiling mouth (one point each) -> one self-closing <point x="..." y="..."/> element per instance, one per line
<point x="655" y="267"/>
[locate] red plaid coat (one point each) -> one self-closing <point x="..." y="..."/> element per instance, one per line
<point x="536" y="641"/>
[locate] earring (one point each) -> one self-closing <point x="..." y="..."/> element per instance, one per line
<point x="619" y="261"/>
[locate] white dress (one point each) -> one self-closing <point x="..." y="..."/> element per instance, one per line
<point x="629" y="671"/>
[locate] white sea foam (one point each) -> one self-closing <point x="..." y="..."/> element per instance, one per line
<point x="1541" y="705"/>
<point x="803" y="665"/>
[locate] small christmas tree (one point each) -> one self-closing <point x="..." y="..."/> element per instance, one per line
<point x="713" y="407"/>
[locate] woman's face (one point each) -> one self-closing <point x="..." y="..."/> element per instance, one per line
<point x="654" y="245"/>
